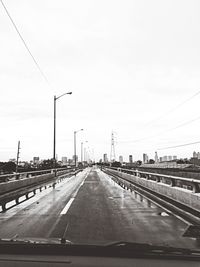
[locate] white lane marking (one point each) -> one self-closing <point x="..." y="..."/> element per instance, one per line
<point x="67" y="206"/>
<point x="65" y="210"/>
<point x="11" y="212"/>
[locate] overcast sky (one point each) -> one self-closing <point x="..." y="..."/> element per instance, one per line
<point x="128" y="64"/>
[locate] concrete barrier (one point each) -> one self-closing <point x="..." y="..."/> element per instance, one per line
<point x="181" y="195"/>
<point x="174" y="172"/>
<point x="9" y="186"/>
<point x="16" y="184"/>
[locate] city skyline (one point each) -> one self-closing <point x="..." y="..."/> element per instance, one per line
<point x="125" y="158"/>
<point x="140" y="84"/>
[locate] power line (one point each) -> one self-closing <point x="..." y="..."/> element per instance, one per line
<point x="24" y="42"/>
<point x="163" y="132"/>
<point x="174" y="108"/>
<point x="183" y="124"/>
<point x="188" y="144"/>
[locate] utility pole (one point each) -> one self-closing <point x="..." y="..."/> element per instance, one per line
<point x="18" y="151"/>
<point x="54" y="134"/>
<point x="75" y="149"/>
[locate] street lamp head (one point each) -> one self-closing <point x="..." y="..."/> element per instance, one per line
<point x="69" y="93"/>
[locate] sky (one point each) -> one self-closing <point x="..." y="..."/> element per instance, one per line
<point x="132" y="66"/>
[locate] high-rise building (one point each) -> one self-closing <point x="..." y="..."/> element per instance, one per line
<point x="156" y="157"/>
<point x="194" y="154"/>
<point x="198" y="155"/>
<point x="169" y="158"/>
<point x="145" y="158"/>
<point x="105" y="158"/>
<point x="165" y="158"/>
<point x="121" y="159"/>
<point x="130" y="159"/>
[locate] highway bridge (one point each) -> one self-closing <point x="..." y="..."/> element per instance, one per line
<point x="100" y="205"/>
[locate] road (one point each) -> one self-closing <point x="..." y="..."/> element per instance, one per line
<point x="92" y="208"/>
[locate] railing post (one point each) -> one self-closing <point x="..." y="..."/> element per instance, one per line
<point x="173" y="182"/>
<point x="157" y="179"/>
<point x="147" y="176"/>
<point x="3" y="205"/>
<point x="196" y="188"/>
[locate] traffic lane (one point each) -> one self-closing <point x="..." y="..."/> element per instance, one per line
<point x="103" y="212"/>
<point x="37" y="216"/>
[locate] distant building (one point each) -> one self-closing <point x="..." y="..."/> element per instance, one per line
<point x="23" y="163"/>
<point x="70" y="161"/>
<point x="165" y="158"/>
<point x="130" y="159"/>
<point x="36" y="160"/>
<point x="156" y="157"/>
<point x="145" y="158"/>
<point x="195" y="161"/>
<point x="105" y="158"/>
<point x="170" y="158"/>
<point x="121" y="159"/>
<point x="198" y="155"/>
<point x="74" y="158"/>
<point x="13" y="160"/>
<point x="64" y="160"/>
<point x="194" y="154"/>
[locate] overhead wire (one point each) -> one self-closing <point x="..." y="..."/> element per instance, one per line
<point x="174" y="108"/>
<point x="137" y="140"/>
<point x="163" y="132"/>
<point x="24" y="42"/>
<point x="181" y="125"/>
<point x="187" y="144"/>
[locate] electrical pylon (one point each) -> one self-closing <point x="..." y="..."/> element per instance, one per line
<point x="112" y="151"/>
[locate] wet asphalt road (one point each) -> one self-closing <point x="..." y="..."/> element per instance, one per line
<point x="92" y="208"/>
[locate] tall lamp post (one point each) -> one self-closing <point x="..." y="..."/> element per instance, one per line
<point x="54" y="128"/>
<point x="86" y="154"/>
<point x="75" y="132"/>
<point x="82" y="151"/>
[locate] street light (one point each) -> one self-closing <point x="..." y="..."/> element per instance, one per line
<point x="54" y="132"/>
<point x="82" y="150"/>
<point x="75" y="132"/>
<point x="86" y="154"/>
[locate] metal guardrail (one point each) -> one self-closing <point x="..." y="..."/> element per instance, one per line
<point x="15" y="194"/>
<point x="21" y="175"/>
<point x="186" y="183"/>
<point x="185" y="209"/>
